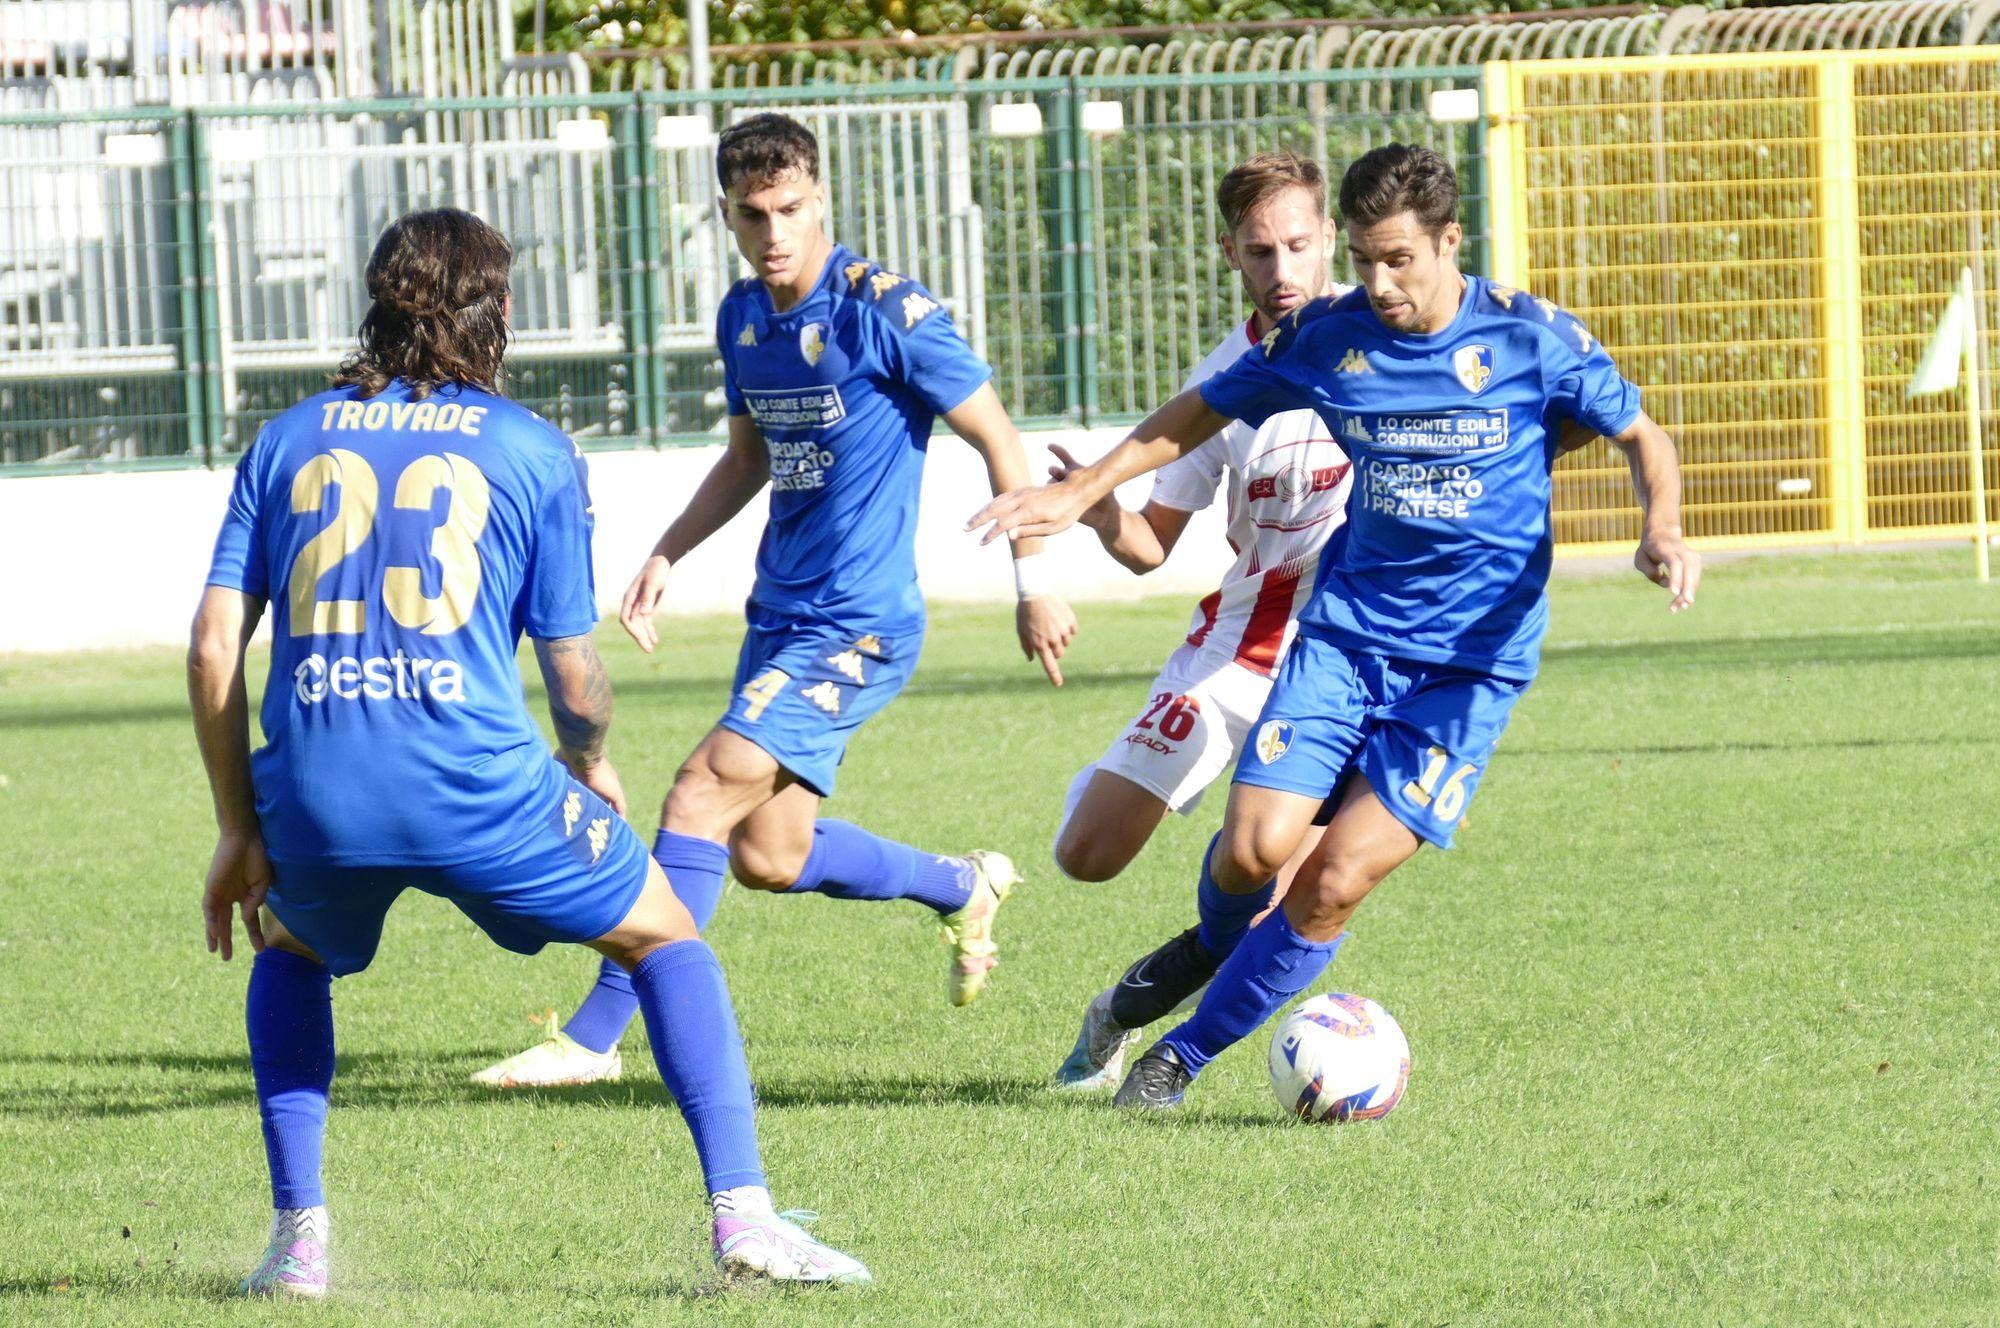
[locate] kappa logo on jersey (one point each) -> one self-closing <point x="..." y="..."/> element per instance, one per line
<point x="1355" y="362"/>
<point x="599" y="835"/>
<point x="1352" y="427"/>
<point x="1504" y="296"/>
<point x="812" y="341"/>
<point x="572" y="809"/>
<point x="916" y="308"/>
<point x="825" y="695"/>
<point x="747" y="337"/>
<point x="884" y="282"/>
<point x="849" y="663"/>
<point x="1270" y="341"/>
<point x="1582" y="337"/>
<point x="1274" y="739"/>
<point x="870" y="644"/>
<point x="854" y="272"/>
<point x="1548" y="308"/>
<point x="1474" y="367"/>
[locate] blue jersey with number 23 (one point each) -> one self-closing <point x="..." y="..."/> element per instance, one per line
<point x="405" y="546"/>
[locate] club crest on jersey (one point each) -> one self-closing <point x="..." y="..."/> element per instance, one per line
<point x="812" y="341"/>
<point x="1275" y="739"/>
<point x="854" y="272"/>
<point x="747" y="337"/>
<point x="1474" y="367"/>
<point x="1355" y="362"/>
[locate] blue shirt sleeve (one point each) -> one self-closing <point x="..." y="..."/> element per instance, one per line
<point x="1587" y="386"/>
<point x="238" y="560"/>
<point x="559" y="594"/>
<point x="1258" y="385"/>
<point x="920" y="346"/>
<point x="725" y="345"/>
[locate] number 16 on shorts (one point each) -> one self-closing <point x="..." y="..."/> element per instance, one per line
<point x="1443" y="787"/>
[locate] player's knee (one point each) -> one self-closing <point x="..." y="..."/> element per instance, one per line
<point x="696" y="801"/>
<point x="1086" y="857"/>
<point x="1248" y="855"/>
<point x="1345" y="878"/>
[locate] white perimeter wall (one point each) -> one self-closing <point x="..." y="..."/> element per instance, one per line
<point x="108" y="561"/>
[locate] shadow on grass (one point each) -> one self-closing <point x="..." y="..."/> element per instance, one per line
<point x="155" y="1084"/>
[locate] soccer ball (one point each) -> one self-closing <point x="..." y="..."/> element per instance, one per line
<point x="1339" y="1058"/>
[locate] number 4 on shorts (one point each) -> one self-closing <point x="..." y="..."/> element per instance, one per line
<point x="763" y="689"/>
<point x="1450" y="798"/>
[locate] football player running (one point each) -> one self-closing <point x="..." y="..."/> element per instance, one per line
<point x="1426" y="623"/>
<point x="834" y="370"/>
<point x="1287" y="483"/>
<point x="406" y="528"/>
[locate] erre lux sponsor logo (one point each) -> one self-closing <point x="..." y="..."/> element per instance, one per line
<point x="398" y="677"/>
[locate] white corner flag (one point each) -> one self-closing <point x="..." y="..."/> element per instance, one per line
<point x="1956" y="342"/>
<point x="1937" y="371"/>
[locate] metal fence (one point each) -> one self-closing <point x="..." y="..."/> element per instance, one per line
<point x="1765" y="243"/>
<point x="170" y="279"/>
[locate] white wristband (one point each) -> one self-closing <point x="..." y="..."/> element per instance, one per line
<point x="1030" y="577"/>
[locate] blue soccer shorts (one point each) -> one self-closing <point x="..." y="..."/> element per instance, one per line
<point x="802" y="692"/>
<point x="572" y="875"/>
<point x="1420" y="734"/>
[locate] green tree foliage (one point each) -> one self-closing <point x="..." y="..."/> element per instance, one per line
<point x="628" y="24"/>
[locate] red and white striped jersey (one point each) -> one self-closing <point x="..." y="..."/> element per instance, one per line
<point x="1288" y="486"/>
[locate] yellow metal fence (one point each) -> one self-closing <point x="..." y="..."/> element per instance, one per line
<point x="1765" y="243"/>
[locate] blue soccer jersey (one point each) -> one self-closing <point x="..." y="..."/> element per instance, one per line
<point x="1445" y="555"/>
<point x="844" y="386"/>
<point x="405" y="546"/>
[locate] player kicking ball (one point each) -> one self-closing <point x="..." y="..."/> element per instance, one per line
<point x="1287" y="483"/>
<point x="834" y="371"/>
<point x="1425" y="625"/>
<point x="406" y="528"/>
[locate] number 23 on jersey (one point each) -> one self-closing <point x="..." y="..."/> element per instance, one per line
<point x="453" y="542"/>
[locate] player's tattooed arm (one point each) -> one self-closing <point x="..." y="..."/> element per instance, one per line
<point x="580" y="708"/>
<point x="1183" y="424"/>
<point x="1663" y="556"/>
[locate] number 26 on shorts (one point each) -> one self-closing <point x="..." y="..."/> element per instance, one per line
<point x="1446" y="803"/>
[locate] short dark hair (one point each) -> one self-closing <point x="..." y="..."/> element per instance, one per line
<point x="764" y="148"/>
<point x="1400" y="177"/>
<point x="438" y="282"/>
<point x="1258" y="179"/>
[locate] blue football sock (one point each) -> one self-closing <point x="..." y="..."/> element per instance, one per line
<point x="607" y="1012"/>
<point x="1271" y="965"/>
<point x="289" y="1016"/>
<point x="847" y="862"/>
<point x="694" y="867"/>
<point x="700" y="1055"/>
<point x="1225" y="916"/>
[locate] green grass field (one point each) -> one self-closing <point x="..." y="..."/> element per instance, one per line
<point x="1703" y="1011"/>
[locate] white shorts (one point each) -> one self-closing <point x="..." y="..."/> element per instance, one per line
<point x="1197" y="714"/>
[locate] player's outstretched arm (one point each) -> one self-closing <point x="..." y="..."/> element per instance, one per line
<point x="580" y="707"/>
<point x="239" y="874"/>
<point x="1663" y="557"/>
<point x="1042" y="620"/>
<point x="1140" y="540"/>
<point x="1184" y="423"/>
<point x="738" y="475"/>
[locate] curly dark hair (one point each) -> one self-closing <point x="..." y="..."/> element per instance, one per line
<point x="761" y="148"/>
<point x="1400" y="177"/>
<point x="438" y="282"/>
